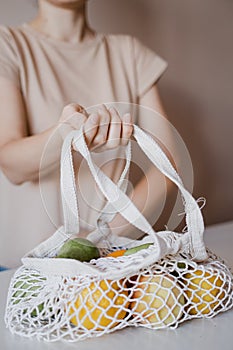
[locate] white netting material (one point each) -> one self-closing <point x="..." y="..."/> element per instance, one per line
<point x="163" y="295"/>
<point x="173" y="280"/>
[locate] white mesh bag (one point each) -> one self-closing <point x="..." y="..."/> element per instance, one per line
<point x="173" y="280"/>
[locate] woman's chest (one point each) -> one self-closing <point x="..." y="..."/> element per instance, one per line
<point x="52" y="80"/>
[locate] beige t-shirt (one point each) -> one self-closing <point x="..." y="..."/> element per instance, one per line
<point x="50" y="74"/>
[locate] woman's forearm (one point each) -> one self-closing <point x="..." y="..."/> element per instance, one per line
<point x="22" y="159"/>
<point x="26" y="158"/>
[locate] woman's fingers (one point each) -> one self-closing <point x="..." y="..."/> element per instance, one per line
<point x="104" y="122"/>
<point x="90" y="128"/>
<point x="115" y="126"/>
<point x="112" y="130"/>
<point x="127" y="129"/>
<point x="102" y="130"/>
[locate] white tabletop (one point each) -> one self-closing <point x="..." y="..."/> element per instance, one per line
<point x="213" y="334"/>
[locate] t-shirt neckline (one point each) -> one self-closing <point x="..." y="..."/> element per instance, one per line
<point x="90" y="42"/>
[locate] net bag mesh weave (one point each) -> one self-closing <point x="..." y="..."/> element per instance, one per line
<point x="162" y="295"/>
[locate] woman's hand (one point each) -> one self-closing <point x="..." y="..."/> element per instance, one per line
<point x="107" y="130"/>
<point x="72" y="118"/>
<point x="102" y="130"/>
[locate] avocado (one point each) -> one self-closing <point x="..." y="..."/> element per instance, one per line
<point x="79" y="249"/>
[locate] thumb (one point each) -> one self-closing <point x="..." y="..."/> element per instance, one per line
<point x="71" y="109"/>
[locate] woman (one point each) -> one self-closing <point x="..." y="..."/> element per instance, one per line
<point x="49" y="68"/>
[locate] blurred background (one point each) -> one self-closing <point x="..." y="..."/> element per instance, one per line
<point x="195" y="37"/>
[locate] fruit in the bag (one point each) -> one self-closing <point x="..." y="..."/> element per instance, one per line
<point x="27" y="288"/>
<point x="80" y="249"/>
<point x="102" y="304"/>
<point x="116" y="253"/>
<point x="158" y="300"/>
<point x="203" y="291"/>
<point x="137" y="249"/>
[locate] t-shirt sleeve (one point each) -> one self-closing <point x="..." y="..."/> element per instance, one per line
<point x="8" y="57"/>
<point x="149" y="66"/>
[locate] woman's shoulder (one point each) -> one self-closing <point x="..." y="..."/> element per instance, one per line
<point x="9" y="35"/>
<point x="8" y="32"/>
<point x="125" y="43"/>
<point x="122" y="45"/>
<point x="121" y="40"/>
<point x="8" y="42"/>
<point x="5" y="33"/>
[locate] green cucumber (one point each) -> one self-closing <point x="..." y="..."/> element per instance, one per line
<point x="137" y="249"/>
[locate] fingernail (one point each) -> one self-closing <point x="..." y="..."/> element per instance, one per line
<point x="80" y="109"/>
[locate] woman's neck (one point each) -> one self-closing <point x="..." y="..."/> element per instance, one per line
<point x="65" y="24"/>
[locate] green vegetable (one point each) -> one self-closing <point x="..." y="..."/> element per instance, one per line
<point x="28" y="288"/>
<point x="136" y="249"/>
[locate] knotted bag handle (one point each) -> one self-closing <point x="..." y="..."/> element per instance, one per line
<point x="120" y="201"/>
<point x="68" y="187"/>
<point x="165" y="242"/>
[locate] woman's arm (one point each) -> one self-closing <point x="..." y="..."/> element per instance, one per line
<point x="20" y="154"/>
<point x="151" y="190"/>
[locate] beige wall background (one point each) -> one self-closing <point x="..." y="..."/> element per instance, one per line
<point x="195" y="37"/>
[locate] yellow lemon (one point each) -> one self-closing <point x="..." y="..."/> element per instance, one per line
<point x="102" y="304"/>
<point x="203" y="290"/>
<point x="158" y="299"/>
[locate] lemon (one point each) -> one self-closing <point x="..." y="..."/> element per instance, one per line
<point x="158" y="299"/>
<point x="203" y="291"/>
<point x="102" y="304"/>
